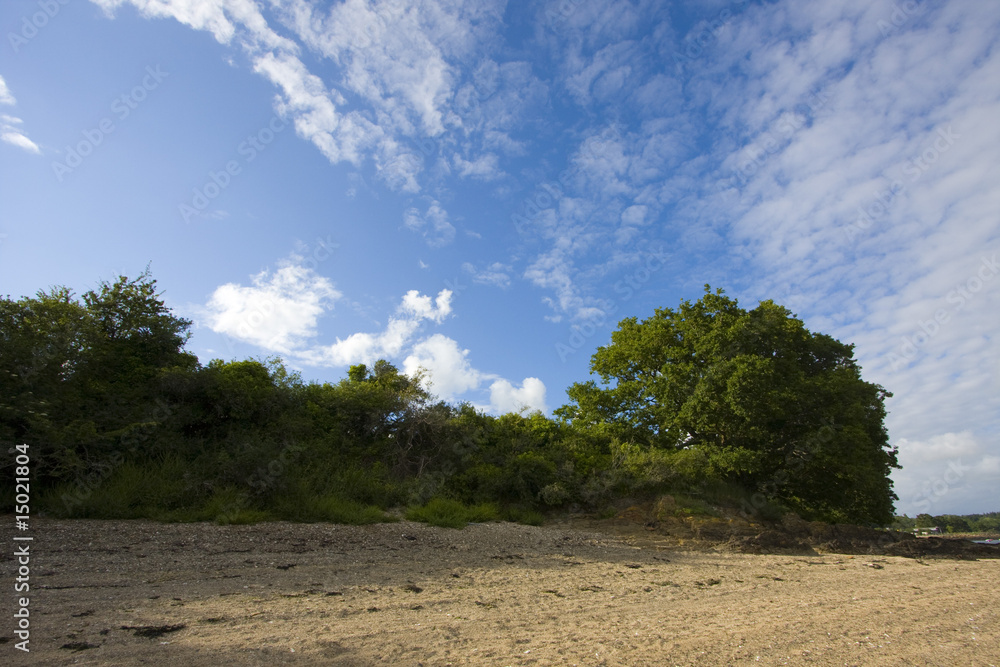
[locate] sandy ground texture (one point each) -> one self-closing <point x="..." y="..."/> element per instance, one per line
<point x="141" y="593"/>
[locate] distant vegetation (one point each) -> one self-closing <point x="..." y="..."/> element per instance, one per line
<point x="711" y="403"/>
<point x="951" y="523"/>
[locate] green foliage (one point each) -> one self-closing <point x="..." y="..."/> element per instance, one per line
<point x="122" y="490"/>
<point x="526" y="516"/>
<point x="330" y="508"/>
<point x="691" y="506"/>
<point x="951" y="523"/>
<point x="448" y="513"/>
<point x="770" y="405"/>
<point x="710" y="403"/>
<point x="79" y="381"/>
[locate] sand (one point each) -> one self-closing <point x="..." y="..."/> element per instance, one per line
<point x="137" y="592"/>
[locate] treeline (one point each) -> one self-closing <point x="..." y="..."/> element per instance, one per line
<point x="122" y="422"/>
<point x="951" y="523"/>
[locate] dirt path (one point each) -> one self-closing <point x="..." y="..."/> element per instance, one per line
<point x="492" y="594"/>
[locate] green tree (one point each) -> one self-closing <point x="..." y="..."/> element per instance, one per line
<point x="132" y="334"/>
<point x="42" y="342"/>
<point x="80" y="380"/>
<point x="775" y="407"/>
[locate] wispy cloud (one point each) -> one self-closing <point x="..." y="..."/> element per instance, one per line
<point x="5" y="95"/>
<point x="400" y="67"/>
<point x="948" y="469"/>
<point x="433" y="224"/>
<point x="10" y="130"/>
<point x="496" y="274"/>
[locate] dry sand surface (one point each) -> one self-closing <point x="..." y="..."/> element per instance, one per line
<point x="136" y="592"/>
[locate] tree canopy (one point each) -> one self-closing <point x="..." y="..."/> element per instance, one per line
<point x="771" y="405"/>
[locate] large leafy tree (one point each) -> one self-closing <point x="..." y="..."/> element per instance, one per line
<point x="774" y="407"/>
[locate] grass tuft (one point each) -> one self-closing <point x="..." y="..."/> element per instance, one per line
<point x="451" y="513"/>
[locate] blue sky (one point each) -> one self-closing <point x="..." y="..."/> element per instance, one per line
<point x="485" y="189"/>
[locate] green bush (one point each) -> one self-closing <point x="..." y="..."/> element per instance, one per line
<point x="526" y="516"/>
<point x="365" y="485"/>
<point x="125" y="490"/>
<point x="244" y="517"/>
<point x="338" y="510"/>
<point x="299" y="503"/>
<point x="691" y="506"/>
<point x="226" y="505"/>
<point x="448" y="513"/>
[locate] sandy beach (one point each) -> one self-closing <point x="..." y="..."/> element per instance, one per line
<point x="137" y="592"/>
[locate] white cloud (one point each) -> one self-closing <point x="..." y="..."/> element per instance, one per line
<point x="278" y="312"/>
<point x="393" y="56"/>
<point x="404" y="63"/>
<point x="556" y="272"/>
<point x="504" y="397"/>
<point x="432" y="224"/>
<point x="635" y="215"/>
<point x="6" y="97"/>
<point x="400" y="65"/>
<point x="485" y="167"/>
<point x="398" y="166"/>
<point x="225" y="19"/>
<point x="449" y="372"/>
<point x="603" y="160"/>
<point x="363" y="347"/>
<point x="369" y="347"/>
<point x="603" y="74"/>
<point x="422" y="307"/>
<point x="15" y="138"/>
<point x="10" y="131"/>
<point x="305" y="98"/>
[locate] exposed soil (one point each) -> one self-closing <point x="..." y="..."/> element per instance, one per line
<point x="620" y="592"/>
